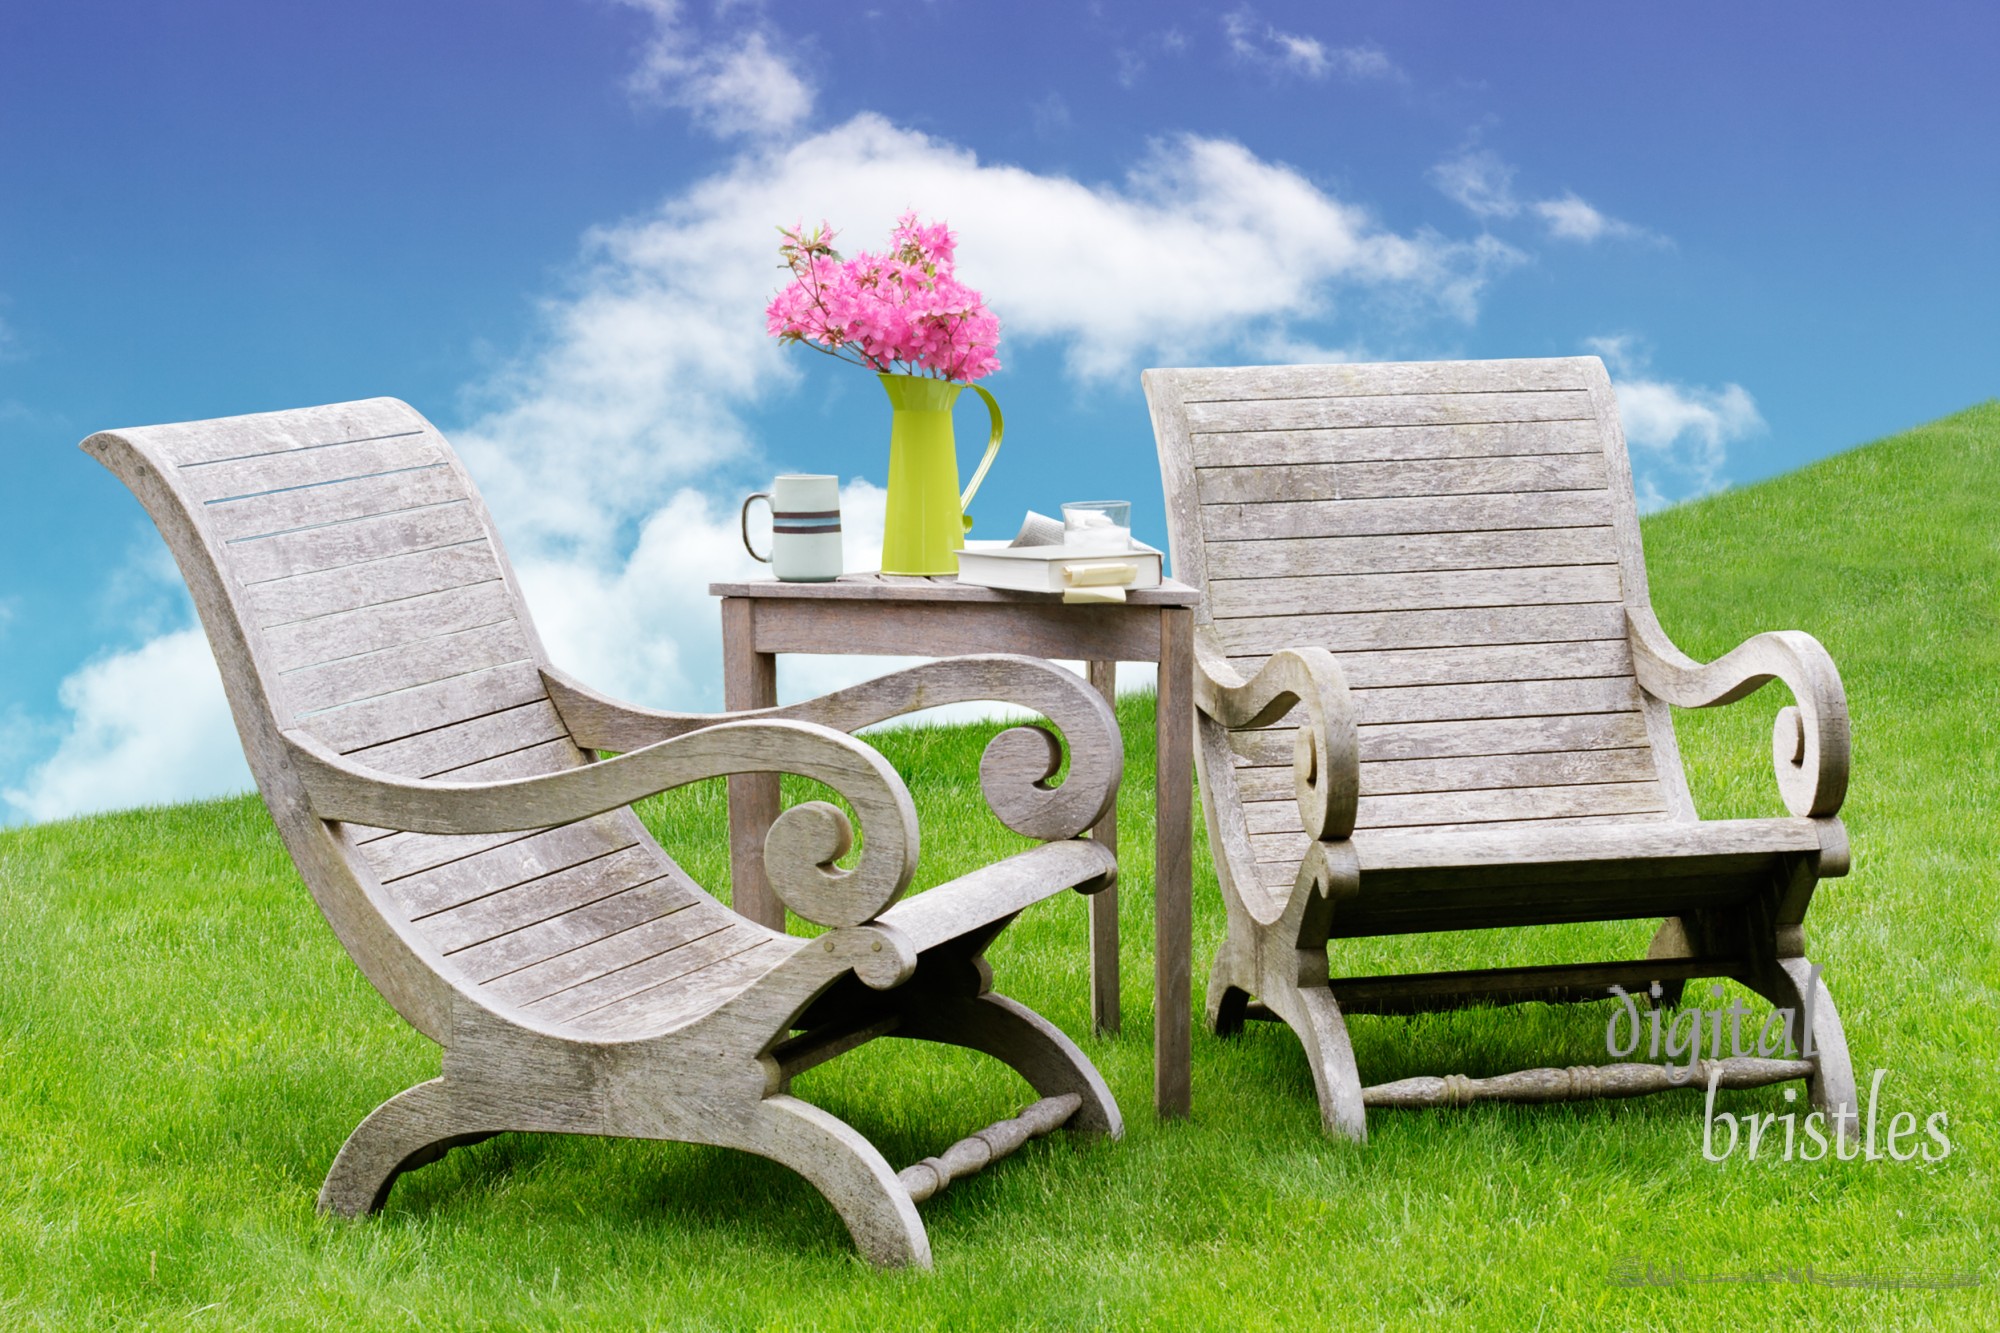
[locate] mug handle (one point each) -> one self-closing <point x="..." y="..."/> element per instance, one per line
<point x="765" y="496"/>
<point x="992" y="448"/>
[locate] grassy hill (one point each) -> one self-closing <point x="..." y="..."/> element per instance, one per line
<point x="183" y="1046"/>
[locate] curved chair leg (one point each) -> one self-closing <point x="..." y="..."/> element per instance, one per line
<point x="414" y="1128"/>
<point x="1315" y="1015"/>
<point x="847" y="1169"/>
<point x="1021" y="1038"/>
<point x="1791" y="985"/>
<point x="1228" y="998"/>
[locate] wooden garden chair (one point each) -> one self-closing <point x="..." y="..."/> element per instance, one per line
<point x="436" y="781"/>
<point x="1432" y="695"/>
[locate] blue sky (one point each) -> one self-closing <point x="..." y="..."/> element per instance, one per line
<point x="547" y="224"/>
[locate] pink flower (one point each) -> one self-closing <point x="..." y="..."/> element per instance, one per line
<point x="901" y="312"/>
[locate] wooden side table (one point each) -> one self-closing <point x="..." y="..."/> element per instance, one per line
<point x="909" y="615"/>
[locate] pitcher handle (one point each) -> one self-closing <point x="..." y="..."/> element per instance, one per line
<point x="992" y="448"/>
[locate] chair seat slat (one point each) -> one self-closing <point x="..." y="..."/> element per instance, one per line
<point x="1415" y="409"/>
<point x="1473" y="663"/>
<point x="649" y="974"/>
<point x="348" y="681"/>
<point x="1406" y="514"/>
<point x="427" y="707"/>
<point x="495" y="914"/>
<point x="1436" y="628"/>
<point x="267" y="473"/>
<point x="1401" y="478"/>
<point x="1454" y="590"/>
<point x="1514" y="698"/>
<point x="1374" y="444"/>
<point x="691" y="995"/>
<point x="1439" y="740"/>
<point x="1465" y="773"/>
<point x="503" y="865"/>
<point x="350" y="634"/>
<point x="610" y="935"/>
<point x="376" y="583"/>
<point x="1411" y="553"/>
<point x="471" y="740"/>
<point x="359" y="541"/>
<point x="262" y="517"/>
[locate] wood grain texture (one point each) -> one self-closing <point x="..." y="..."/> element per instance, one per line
<point x="1105" y="1018"/>
<point x="1583" y="1082"/>
<point x="1369" y="444"/>
<point x="1505" y="475"/>
<point x="1457" y="544"/>
<point x="1173" y="868"/>
<point x="489" y="878"/>
<point x="1403" y="409"/>
<point x="1343" y="594"/>
<point x="1454" y="628"/>
<point x="1404" y="514"/>
<point x="1422" y="552"/>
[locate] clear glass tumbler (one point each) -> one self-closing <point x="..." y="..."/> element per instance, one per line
<point x="1098" y="525"/>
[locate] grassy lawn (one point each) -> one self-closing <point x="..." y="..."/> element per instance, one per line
<point x="183" y="1047"/>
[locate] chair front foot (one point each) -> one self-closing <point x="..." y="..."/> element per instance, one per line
<point x="1793" y="983"/>
<point x="1315" y="1015"/>
<point x="414" y="1128"/>
<point x="845" y="1168"/>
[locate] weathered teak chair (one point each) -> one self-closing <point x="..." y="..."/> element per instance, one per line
<point x="434" y="778"/>
<point x="1456" y="714"/>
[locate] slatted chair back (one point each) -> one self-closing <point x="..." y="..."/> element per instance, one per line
<point x="1462" y="536"/>
<point x="353" y="587"/>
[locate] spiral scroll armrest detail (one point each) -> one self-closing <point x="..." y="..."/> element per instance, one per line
<point x="1810" y="739"/>
<point x="1017" y="765"/>
<point x="1326" y="756"/>
<point x="800" y="852"/>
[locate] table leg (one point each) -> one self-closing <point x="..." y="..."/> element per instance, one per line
<point x="1173" y="866"/>
<point x="749" y="680"/>
<point x="1104" y="1017"/>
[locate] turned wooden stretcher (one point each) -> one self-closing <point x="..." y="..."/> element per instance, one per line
<point x="439" y="785"/>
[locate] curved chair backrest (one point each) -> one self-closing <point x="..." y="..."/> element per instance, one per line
<point x="352" y="586"/>
<point x="1463" y="537"/>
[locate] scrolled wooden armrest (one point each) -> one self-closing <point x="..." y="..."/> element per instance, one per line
<point x="1809" y="742"/>
<point x="1013" y="771"/>
<point x="1326" y="757"/>
<point x="799" y="852"/>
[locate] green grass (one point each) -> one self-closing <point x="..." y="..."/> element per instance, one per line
<point x="183" y="1046"/>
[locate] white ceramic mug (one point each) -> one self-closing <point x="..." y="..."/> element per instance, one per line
<point x="805" y="528"/>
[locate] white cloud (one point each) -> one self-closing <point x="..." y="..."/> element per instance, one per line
<point x="1478" y="181"/>
<point x="1259" y="43"/>
<point x="639" y="391"/>
<point x="602" y="451"/>
<point x="650" y="361"/>
<point x="1571" y="219"/>
<point x="150" y="725"/>
<point x="1482" y="182"/>
<point x="1680" y="433"/>
<point x="737" y="85"/>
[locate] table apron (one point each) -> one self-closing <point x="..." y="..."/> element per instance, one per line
<point x="933" y="629"/>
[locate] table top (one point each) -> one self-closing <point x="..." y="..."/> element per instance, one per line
<point x="937" y="588"/>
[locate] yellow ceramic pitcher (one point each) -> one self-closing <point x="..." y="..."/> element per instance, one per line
<point x="926" y="522"/>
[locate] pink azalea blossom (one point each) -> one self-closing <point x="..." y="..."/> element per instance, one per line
<point x="902" y="312"/>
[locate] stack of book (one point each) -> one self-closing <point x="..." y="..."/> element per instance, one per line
<point x="1030" y="563"/>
